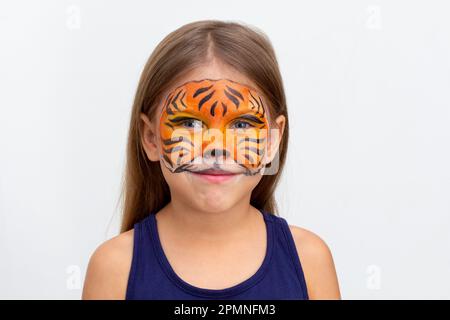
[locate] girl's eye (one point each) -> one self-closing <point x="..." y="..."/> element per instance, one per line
<point x="242" y="125"/>
<point x="192" y="123"/>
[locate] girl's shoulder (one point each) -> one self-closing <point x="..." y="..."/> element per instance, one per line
<point x="317" y="263"/>
<point x="108" y="268"/>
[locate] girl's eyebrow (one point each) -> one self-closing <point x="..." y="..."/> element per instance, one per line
<point x="182" y="118"/>
<point x="250" y="117"/>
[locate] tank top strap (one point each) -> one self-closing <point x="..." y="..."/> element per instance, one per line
<point x="287" y="244"/>
<point x="143" y="264"/>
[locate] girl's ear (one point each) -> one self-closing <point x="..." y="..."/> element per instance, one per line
<point x="275" y="135"/>
<point x="148" y="138"/>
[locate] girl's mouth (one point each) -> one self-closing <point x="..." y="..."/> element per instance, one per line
<point x="214" y="175"/>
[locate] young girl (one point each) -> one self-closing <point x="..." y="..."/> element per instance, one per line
<point x="199" y="211"/>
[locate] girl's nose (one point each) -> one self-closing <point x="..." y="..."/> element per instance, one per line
<point x="216" y="154"/>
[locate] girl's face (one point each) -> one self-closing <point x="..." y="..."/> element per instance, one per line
<point x="212" y="135"/>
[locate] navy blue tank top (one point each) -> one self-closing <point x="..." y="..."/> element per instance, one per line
<point x="279" y="277"/>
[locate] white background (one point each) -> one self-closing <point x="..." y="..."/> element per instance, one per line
<point x="368" y="88"/>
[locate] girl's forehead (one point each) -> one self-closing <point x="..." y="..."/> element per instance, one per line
<point x="214" y="94"/>
<point x="220" y="82"/>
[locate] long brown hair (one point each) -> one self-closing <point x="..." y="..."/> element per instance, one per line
<point x="241" y="47"/>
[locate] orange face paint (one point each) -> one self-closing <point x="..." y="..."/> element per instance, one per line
<point x="214" y="124"/>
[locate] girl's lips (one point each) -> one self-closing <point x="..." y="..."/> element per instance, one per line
<point x="215" y="177"/>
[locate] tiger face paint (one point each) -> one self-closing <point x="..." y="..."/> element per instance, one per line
<point x="214" y="124"/>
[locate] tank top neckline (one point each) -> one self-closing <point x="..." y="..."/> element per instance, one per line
<point x="213" y="293"/>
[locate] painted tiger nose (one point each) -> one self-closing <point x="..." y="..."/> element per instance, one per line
<point x="215" y="152"/>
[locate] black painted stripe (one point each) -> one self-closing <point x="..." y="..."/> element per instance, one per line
<point x="182" y="102"/>
<point x="247" y="139"/>
<point x="232" y="98"/>
<point x="201" y="90"/>
<point x="168" y="160"/>
<point x="182" y="168"/>
<point x="167" y="100"/>
<point x="261" y="105"/>
<point x="249" y="158"/>
<point x="256" y="101"/>
<point x="177" y="148"/>
<point x="181" y="99"/>
<point x="211" y="111"/>
<point x="255" y="150"/>
<point x="178" y="139"/>
<point x="181" y="119"/>
<point x="224" y="109"/>
<point x="205" y="99"/>
<point x="174" y="99"/>
<point x="169" y="111"/>
<point x="168" y="124"/>
<point x="250" y="118"/>
<point x="175" y="105"/>
<point x="235" y="92"/>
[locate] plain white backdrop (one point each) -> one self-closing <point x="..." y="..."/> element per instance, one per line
<point x="368" y="89"/>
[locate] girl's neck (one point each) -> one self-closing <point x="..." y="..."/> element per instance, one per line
<point x="207" y="225"/>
